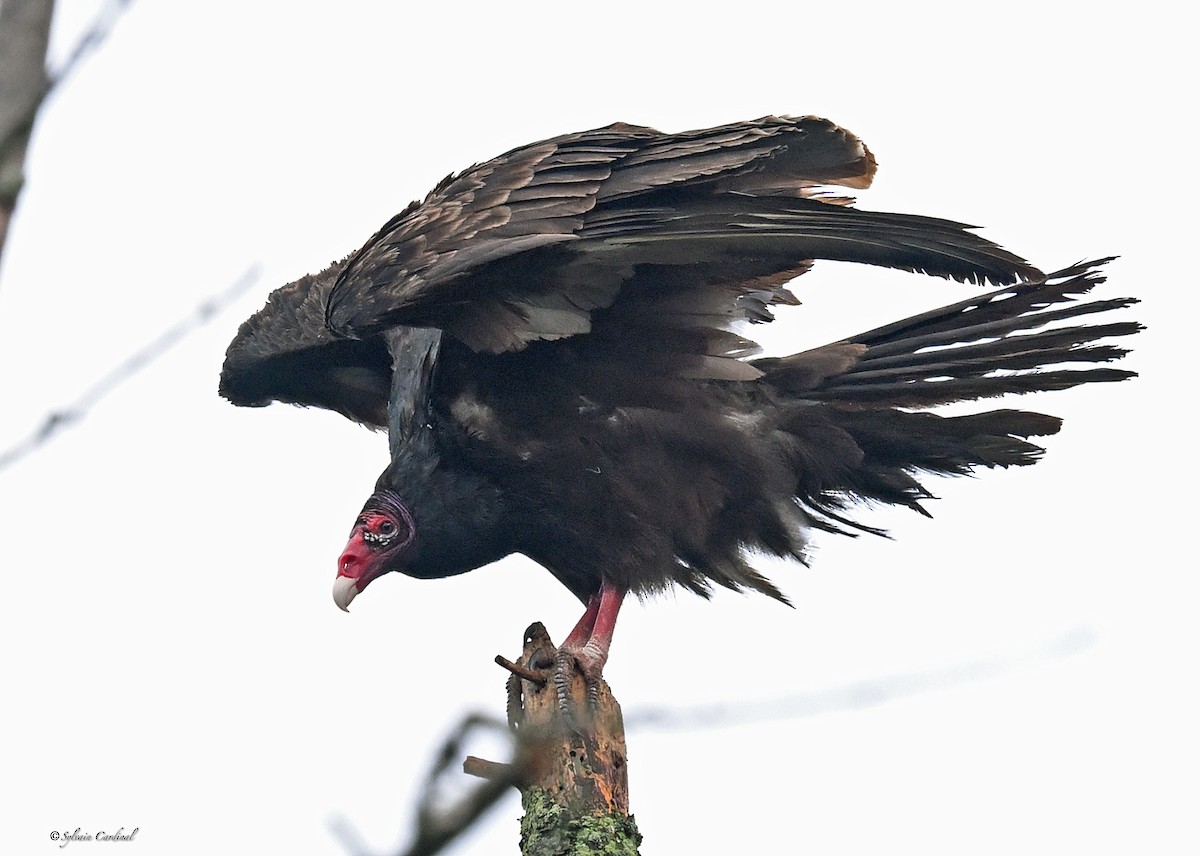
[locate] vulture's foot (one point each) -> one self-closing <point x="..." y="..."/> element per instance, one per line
<point x="588" y="660"/>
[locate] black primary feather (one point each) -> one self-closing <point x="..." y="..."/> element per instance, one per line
<point x="552" y="339"/>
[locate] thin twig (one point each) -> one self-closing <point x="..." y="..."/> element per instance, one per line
<point x="857" y="695"/>
<point x="75" y="411"/>
<point x="521" y="672"/>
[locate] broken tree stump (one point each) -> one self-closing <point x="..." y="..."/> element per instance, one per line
<point x="570" y="764"/>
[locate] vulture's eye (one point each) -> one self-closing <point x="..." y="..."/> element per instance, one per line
<point x="380" y="531"/>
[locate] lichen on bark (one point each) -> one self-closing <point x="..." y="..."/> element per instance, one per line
<point x="549" y="829"/>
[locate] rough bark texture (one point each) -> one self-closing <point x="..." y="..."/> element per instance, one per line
<point x="24" y="35"/>
<point x="576" y="791"/>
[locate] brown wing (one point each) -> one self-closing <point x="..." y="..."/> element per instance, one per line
<point x="528" y="246"/>
<point x="284" y="352"/>
<point x="668" y="236"/>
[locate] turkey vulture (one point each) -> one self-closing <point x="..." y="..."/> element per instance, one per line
<point x="553" y="341"/>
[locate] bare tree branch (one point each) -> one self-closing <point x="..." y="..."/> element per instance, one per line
<point x="24" y="37"/>
<point x="25" y="83"/>
<point x="436" y="828"/>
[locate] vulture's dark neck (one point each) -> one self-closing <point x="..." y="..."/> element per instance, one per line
<point x="461" y="519"/>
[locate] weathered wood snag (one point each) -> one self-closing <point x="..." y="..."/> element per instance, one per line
<point x="570" y="764"/>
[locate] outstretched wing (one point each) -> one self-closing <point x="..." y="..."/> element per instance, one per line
<point x="656" y="242"/>
<point x="530" y="245"/>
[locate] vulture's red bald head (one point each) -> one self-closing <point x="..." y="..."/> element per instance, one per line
<point x="378" y="543"/>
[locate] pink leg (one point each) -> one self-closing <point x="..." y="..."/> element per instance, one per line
<point x="587" y="645"/>
<point x="583" y="630"/>
<point x="611" y="599"/>
<point x="592" y="636"/>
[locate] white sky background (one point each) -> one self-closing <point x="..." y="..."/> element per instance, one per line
<point x="172" y="658"/>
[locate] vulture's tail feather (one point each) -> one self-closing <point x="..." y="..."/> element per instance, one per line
<point x="851" y="403"/>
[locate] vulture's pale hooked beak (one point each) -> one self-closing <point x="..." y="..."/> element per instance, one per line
<point x="344" y="591"/>
<point x="355" y="569"/>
